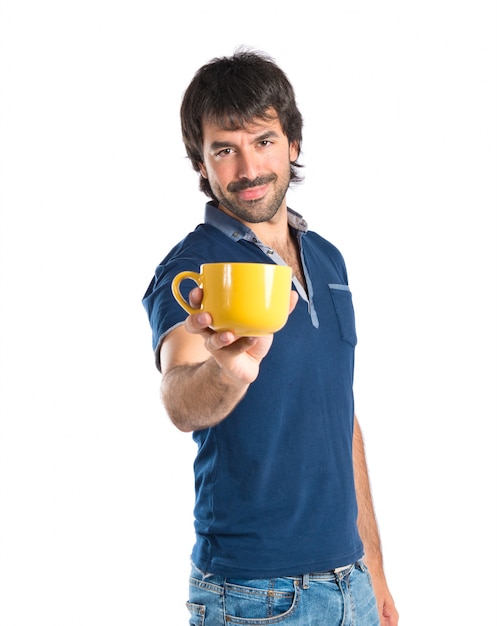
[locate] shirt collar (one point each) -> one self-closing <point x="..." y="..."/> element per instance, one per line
<point x="235" y="230"/>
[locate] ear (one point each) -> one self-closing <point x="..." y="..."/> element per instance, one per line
<point x="202" y="169"/>
<point x="294" y="151"/>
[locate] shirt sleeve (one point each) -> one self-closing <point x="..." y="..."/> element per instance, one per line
<point x="164" y="313"/>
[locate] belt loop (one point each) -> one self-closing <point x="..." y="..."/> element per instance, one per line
<point x="305" y="581"/>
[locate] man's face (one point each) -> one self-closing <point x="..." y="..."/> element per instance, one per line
<point x="248" y="169"/>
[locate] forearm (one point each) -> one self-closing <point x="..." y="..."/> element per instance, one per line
<point x="368" y="530"/>
<point x="366" y="520"/>
<point x="199" y="396"/>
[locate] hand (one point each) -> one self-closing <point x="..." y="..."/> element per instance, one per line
<point x="238" y="357"/>
<point x="389" y="615"/>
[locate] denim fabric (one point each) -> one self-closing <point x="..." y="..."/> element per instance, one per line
<point x="344" y="598"/>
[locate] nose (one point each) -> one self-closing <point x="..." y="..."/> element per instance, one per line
<point x="248" y="165"/>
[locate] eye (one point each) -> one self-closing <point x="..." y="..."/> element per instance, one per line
<point x="224" y="152"/>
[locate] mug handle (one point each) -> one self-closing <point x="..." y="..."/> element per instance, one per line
<point x="177" y="280"/>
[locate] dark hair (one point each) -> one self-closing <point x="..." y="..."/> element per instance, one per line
<point x="233" y="91"/>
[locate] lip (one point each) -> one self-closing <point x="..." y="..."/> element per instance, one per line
<point x="253" y="193"/>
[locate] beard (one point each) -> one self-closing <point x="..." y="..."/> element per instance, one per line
<point x="257" y="210"/>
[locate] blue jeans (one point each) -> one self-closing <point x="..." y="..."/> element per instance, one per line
<point x="344" y="598"/>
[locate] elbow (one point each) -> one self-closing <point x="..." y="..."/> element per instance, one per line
<point x="182" y="422"/>
<point x="172" y="407"/>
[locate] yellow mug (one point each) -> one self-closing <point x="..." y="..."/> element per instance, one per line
<point x="248" y="299"/>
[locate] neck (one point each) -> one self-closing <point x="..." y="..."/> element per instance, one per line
<point x="273" y="231"/>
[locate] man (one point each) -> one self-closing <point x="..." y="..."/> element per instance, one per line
<point x="284" y="521"/>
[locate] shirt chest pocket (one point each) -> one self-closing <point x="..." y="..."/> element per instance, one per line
<point x="344" y="309"/>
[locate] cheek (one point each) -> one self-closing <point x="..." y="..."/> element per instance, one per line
<point x="221" y="174"/>
<point x="281" y="164"/>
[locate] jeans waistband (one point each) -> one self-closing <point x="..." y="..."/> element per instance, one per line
<point x="302" y="580"/>
<point x="332" y="574"/>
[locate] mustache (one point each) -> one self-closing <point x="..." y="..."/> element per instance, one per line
<point x="241" y="185"/>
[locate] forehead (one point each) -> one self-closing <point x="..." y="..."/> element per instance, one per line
<point x="254" y="126"/>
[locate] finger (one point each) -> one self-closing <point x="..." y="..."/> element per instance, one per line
<point x="219" y="341"/>
<point x="198" y="322"/>
<point x="195" y="296"/>
<point x="294" y="298"/>
<point x="230" y="344"/>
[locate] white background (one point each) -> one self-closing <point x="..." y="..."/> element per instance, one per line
<point x="399" y="100"/>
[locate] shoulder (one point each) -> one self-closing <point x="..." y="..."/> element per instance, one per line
<point x="323" y="250"/>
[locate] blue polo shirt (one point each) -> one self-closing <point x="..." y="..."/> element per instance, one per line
<point x="274" y="481"/>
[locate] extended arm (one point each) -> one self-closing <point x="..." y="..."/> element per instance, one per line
<point x="200" y="386"/>
<point x="206" y="374"/>
<point x="368" y="529"/>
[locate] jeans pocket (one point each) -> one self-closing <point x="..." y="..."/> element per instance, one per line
<point x="360" y="565"/>
<point x="197" y="614"/>
<point x="264" y="601"/>
<point x="344" y="309"/>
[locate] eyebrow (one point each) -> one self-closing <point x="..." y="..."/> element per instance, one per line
<point x="218" y="145"/>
